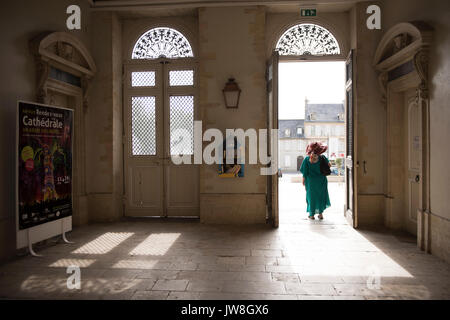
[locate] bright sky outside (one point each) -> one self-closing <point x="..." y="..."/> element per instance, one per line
<point x="319" y="82"/>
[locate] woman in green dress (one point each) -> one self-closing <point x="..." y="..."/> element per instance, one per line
<point x="316" y="184"/>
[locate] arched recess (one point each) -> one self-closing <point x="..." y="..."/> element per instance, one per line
<point x="160" y="97"/>
<point x="401" y="59"/>
<point x="296" y="36"/>
<point x="64" y="67"/>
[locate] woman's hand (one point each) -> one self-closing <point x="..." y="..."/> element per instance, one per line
<point x="303" y="180"/>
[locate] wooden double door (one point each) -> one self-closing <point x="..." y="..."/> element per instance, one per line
<point x="160" y="106"/>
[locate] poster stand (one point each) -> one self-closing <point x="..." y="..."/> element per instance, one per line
<point x="63" y="233"/>
<point x="30" y="246"/>
<point x="30" y="240"/>
<point x="55" y="126"/>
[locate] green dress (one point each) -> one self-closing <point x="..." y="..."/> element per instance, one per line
<point x="316" y="185"/>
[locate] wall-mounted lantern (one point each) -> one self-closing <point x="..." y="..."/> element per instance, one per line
<point x="231" y="94"/>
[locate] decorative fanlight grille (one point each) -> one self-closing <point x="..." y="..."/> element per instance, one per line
<point x="307" y="39"/>
<point x="162" y="43"/>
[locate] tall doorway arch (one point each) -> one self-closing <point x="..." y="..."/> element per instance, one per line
<point x="307" y="42"/>
<point x="160" y="106"/>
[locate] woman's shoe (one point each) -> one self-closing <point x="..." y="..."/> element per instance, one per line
<point x="311" y="217"/>
<point x="320" y="216"/>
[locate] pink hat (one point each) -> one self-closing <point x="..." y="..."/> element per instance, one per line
<point x="316" y="148"/>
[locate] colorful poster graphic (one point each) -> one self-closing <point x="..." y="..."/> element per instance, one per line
<point x="44" y="164"/>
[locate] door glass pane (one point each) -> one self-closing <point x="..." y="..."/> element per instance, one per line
<point x="143" y="126"/>
<point x="181" y="78"/>
<point x="143" y="79"/>
<point x="181" y="125"/>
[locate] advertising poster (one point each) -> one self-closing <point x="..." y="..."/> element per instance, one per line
<point x="44" y="164"/>
<point x="236" y="168"/>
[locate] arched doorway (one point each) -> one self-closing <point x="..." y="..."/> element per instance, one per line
<point x="160" y="102"/>
<point x="311" y="43"/>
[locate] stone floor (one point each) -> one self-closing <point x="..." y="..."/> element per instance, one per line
<point x="154" y="259"/>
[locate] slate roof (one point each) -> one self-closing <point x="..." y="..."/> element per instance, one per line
<point x="324" y="112"/>
<point x="292" y="125"/>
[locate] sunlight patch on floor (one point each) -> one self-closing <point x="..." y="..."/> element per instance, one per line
<point x="135" y="264"/>
<point x="104" y="244"/>
<point x="156" y="244"/>
<point x="82" y="263"/>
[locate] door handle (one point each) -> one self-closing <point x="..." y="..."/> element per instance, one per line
<point x="417" y="178"/>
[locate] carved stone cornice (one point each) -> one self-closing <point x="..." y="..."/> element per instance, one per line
<point x="421" y="60"/>
<point x="382" y="82"/>
<point x="65" y="50"/>
<point x="404" y="43"/>
<point x="85" y="86"/>
<point x="421" y="64"/>
<point x="58" y="50"/>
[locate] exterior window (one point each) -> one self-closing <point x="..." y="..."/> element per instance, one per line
<point x="143" y="79"/>
<point x="181" y="125"/>
<point x="299" y="131"/>
<point x="143" y="126"/>
<point x="287" y="161"/>
<point x="287" y="133"/>
<point x="181" y="78"/>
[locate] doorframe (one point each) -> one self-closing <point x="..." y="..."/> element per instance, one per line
<point x="351" y="162"/>
<point x="325" y="58"/>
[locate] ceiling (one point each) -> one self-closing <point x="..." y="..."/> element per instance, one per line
<point x="177" y="7"/>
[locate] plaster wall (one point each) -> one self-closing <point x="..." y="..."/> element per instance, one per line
<point x="104" y="127"/>
<point x="21" y="21"/>
<point x="232" y="44"/>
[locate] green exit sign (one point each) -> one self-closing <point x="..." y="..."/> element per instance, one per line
<point x="308" y="12"/>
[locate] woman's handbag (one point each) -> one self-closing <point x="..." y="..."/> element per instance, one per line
<point x="324" y="168"/>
